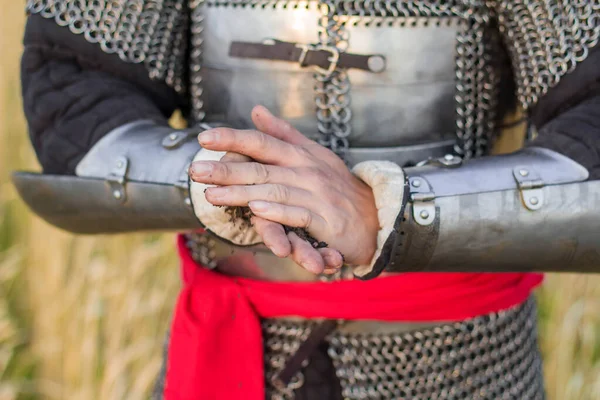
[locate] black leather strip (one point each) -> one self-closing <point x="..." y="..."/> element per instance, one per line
<point x="320" y="57"/>
<point x="308" y="347"/>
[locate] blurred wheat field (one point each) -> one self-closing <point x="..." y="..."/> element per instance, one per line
<point x="85" y="317"/>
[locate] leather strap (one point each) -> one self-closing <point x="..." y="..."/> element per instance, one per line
<point x="324" y="57"/>
<point x="308" y="347"/>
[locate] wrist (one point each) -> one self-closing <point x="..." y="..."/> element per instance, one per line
<point x="388" y="185"/>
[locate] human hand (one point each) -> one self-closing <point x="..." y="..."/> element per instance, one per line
<point x="296" y="182"/>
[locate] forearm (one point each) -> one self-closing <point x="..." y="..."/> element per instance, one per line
<point x="93" y="115"/>
<point x="535" y="210"/>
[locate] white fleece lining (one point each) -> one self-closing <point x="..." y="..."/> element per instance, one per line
<point x="215" y="218"/>
<point x="387" y="180"/>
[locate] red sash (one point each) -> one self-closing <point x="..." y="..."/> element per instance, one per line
<point x="215" y="349"/>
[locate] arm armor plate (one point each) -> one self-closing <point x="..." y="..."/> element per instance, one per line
<point x="135" y="178"/>
<point x="528" y="211"/>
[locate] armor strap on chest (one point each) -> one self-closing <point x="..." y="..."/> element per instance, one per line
<point x="327" y="58"/>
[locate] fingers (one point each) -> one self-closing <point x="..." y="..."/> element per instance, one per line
<point x="305" y="255"/>
<point x="332" y="258"/>
<point x="276" y="127"/>
<point x="235" y="157"/>
<point x="257" y="145"/>
<point x="241" y="195"/>
<point x="293" y="216"/>
<point x="273" y="236"/>
<point x="239" y="173"/>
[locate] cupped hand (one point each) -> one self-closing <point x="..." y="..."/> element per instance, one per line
<point x="293" y="181"/>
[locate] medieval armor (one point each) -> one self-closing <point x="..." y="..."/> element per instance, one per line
<point x="413" y="89"/>
<point x="354" y="48"/>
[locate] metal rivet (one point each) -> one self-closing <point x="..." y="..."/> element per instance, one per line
<point x="187" y="201"/>
<point x="173" y="136"/>
<point x="416" y="182"/>
<point x="448" y="157"/>
<point x="376" y="63"/>
<point x="117" y="194"/>
<point x="523" y="172"/>
<point x="119" y="164"/>
<point x="424" y="214"/>
<point x="534" y="200"/>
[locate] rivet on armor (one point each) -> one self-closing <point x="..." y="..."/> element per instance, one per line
<point x="118" y="177"/>
<point x="534" y="201"/>
<point x="416" y="183"/>
<point x="424" y="214"/>
<point x="376" y="63"/>
<point x="523" y="172"/>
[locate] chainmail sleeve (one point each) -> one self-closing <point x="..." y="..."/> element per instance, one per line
<point x="151" y="33"/>
<point x="546" y="41"/>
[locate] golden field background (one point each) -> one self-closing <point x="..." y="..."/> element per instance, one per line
<point x="85" y="317"/>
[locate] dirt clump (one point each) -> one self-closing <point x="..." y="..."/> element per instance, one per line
<point x="245" y="214"/>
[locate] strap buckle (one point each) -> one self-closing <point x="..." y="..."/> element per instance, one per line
<point x="333" y="59"/>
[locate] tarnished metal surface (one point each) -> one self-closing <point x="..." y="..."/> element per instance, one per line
<point x="495" y="173"/>
<point x="88" y="206"/>
<point x="496" y="232"/>
<point x="147" y="148"/>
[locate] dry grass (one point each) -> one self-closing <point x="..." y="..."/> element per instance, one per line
<point x="84" y="317"/>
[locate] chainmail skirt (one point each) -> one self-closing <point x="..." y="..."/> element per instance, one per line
<point x="494" y="356"/>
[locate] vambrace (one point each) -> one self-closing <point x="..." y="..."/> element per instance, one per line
<point x="528" y="211"/>
<point x="135" y="178"/>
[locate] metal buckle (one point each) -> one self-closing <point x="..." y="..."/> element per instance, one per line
<point x="304" y="48"/>
<point x="333" y="59"/>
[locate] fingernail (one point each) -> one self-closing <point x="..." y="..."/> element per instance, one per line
<point x="201" y="169"/>
<point x="259" y="206"/>
<point x="266" y="111"/>
<point x="208" y="137"/>
<point x="315" y="269"/>
<point x="217" y="193"/>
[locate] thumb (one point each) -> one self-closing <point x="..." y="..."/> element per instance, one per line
<point x="276" y="127"/>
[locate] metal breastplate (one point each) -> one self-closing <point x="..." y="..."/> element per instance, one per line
<point x="412" y="101"/>
<point x="437" y="85"/>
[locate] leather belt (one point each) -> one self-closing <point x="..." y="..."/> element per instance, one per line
<point x="324" y="58"/>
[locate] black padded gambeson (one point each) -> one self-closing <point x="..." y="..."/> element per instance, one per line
<point x="73" y="94"/>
